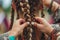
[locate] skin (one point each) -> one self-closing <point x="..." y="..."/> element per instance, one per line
<point x="43" y="25"/>
<point x="17" y="28"/>
<point x="47" y="3"/>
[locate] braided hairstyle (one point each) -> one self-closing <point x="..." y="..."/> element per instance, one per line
<point x="28" y="8"/>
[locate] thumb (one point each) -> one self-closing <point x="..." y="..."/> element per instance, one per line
<point x="25" y="24"/>
<point x="40" y="26"/>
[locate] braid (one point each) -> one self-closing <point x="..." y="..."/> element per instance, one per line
<point x="28" y="8"/>
<point x="12" y="19"/>
<point x="27" y="31"/>
<point x="17" y="8"/>
<point x="12" y="16"/>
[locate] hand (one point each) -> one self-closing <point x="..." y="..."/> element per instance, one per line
<point x="43" y="25"/>
<point x="55" y="5"/>
<point x="46" y="2"/>
<point x="18" y="27"/>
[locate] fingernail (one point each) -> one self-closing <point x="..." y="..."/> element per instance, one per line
<point x="32" y="23"/>
<point x="28" y="22"/>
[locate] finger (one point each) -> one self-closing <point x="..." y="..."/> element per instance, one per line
<point x="40" y="26"/>
<point x="25" y="24"/>
<point x="21" y="21"/>
<point x="40" y="20"/>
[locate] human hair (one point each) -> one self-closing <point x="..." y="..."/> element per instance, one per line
<point x="28" y="8"/>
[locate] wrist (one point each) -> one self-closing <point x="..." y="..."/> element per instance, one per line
<point x="12" y="33"/>
<point x="50" y="30"/>
<point x="12" y="38"/>
<point x="55" y="34"/>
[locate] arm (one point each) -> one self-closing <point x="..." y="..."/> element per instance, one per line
<point x="47" y="28"/>
<point x="57" y="27"/>
<point x="47" y="3"/>
<point x="16" y="30"/>
<point x="4" y="36"/>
